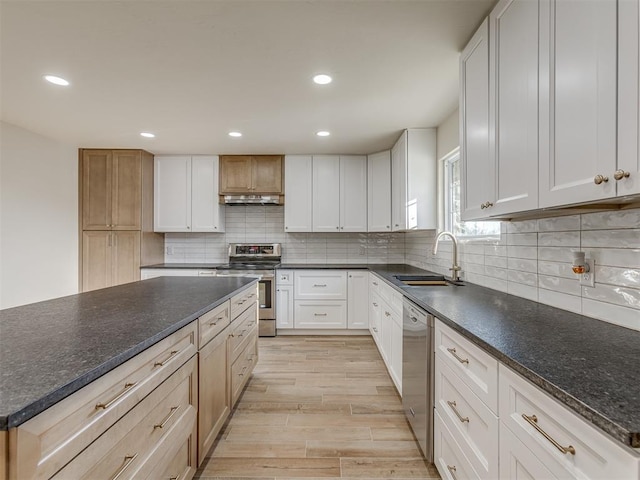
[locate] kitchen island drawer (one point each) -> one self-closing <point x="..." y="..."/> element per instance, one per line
<point x="242" y="368"/>
<point x="473" y="425"/>
<point x="476" y="368"/>
<point x="320" y="285"/>
<point x="242" y="330"/>
<point x="243" y="300"/>
<point x="565" y="443"/>
<point x="448" y="456"/>
<point x="213" y="322"/>
<point x="129" y="449"/>
<point x="51" y="439"/>
<point x="320" y="314"/>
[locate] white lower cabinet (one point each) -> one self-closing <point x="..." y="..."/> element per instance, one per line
<point x="564" y="443"/>
<point x="357" y="299"/>
<point x="517" y="462"/>
<point x="374" y="318"/>
<point x="447" y="454"/>
<point x="320" y="314"/>
<point x="284" y="299"/>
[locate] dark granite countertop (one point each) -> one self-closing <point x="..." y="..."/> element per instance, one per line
<point x="48" y="350"/>
<point x="589" y="365"/>
<point x="196" y="266"/>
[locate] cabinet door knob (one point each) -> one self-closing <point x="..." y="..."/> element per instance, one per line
<point x="598" y="179"/>
<point x="337" y="228"/>
<point x="489" y="204"/>
<point x="483" y="206"/>
<point x="620" y="174"/>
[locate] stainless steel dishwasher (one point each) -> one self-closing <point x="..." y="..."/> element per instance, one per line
<point x="417" y="374"/>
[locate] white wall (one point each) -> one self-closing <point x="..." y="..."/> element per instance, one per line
<point x="448" y="136"/>
<point x="38" y="217"/>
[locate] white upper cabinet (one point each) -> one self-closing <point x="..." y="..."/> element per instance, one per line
<point x="513" y="107"/>
<point x="578" y="59"/>
<point x="379" y="192"/>
<point x="478" y="167"/>
<point x="353" y="193"/>
<point x="186" y="194"/>
<point x="339" y="193"/>
<point x="413" y="180"/>
<point x="298" y="190"/>
<point x="326" y="193"/>
<point x="628" y="99"/>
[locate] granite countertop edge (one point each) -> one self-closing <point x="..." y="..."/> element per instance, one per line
<point x="32" y="409"/>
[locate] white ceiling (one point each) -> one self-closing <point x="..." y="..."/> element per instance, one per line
<point x="191" y="71"/>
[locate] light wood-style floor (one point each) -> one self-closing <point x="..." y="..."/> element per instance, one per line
<point x="317" y="407"/>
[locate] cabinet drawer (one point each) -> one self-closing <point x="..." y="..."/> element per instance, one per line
<point x="595" y="455"/>
<point x="320" y="314"/>
<point x="242" y="368"/>
<point x="242" y="330"/>
<point x="50" y="440"/>
<point x="284" y="277"/>
<point x="374" y="284"/>
<point x="476" y="368"/>
<point x="391" y="296"/>
<point x="212" y="323"/>
<point x="473" y="425"/>
<point x="320" y="285"/>
<point x="243" y="300"/>
<point x="447" y="454"/>
<point x="130" y="443"/>
<point x="180" y="466"/>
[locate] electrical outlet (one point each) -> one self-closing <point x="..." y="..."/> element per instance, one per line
<point x="588" y="279"/>
<point x="169" y="250"/>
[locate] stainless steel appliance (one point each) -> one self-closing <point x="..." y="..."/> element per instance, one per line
<point x="417" y="374"/>
<point x="259" y="261"/>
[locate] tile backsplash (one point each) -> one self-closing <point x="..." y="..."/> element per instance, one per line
<point x="531" y="259"/>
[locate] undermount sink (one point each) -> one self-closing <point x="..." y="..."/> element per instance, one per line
<point x="422" y="280"/>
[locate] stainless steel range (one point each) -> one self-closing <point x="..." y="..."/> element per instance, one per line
<point x="257" y="260"/>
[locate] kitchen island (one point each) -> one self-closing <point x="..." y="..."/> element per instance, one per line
<point x="128" y="343"/>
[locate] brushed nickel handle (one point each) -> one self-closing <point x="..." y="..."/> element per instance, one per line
<point x="171" y="355"/>
<point x="489" y="204"/>
<point x="241" y="374"/>
<point x="620" y="174"/>
<point x="387" y="313"/>
<point x="452" y="405"/>
<point x="164" y="421"/>
<point x="319" y="314"/>
<point x="533" y="421"/>
<point x="483" y="206"/>
<point x="128" y="460"/>
<point x="319" y="284"/>
<point x="452" y="351"/>
<point x="231" y="335"/>
<point x="242" y="332"/>
<point x="452" y="471"/>
<point x="104" y="406"/>
<point x="414" y="319"/>
<point x="598" y="179"/>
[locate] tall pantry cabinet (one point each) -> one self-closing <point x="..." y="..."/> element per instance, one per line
<point x="116" y="217"/>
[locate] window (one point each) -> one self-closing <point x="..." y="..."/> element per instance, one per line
<point x="452" y="202"/>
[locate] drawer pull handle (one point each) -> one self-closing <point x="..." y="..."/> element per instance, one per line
<point x="241" y="374"/>
<point x="452" y="471"/>
<point x="176" y="477"/>
<point x="455" y="410"/>
<point x="104" y="406"/>
<point x="375" y="304"/>
<point x="375" y="283"/>
<point x="171" y="355"/>
<point x="375" y="329"/>
<point x="414" y="319"/>
<point x="319" y="314"/>
<point x="452" y="351"/>
<point x="533" y="421"/>
<point x="172" y="412"/>
<point x="319" y="284"/>
<point x="231" y="335"/>
<point x="242" y="332"/>
<point x="128" y="460"/>
<point x="213" y="324"/>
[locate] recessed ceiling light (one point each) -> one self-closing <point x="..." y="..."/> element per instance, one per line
<point x="322" y="79"/>
<point x="323" y="133"/>
<point x="56" y="80"/>
<point x="235" y="134"/>
<point x="147" y="134"/>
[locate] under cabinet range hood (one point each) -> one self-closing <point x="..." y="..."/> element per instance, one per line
<point x="252" y="199"/>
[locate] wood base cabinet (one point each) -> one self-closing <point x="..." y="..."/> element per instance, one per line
<point x="109" y="258"/>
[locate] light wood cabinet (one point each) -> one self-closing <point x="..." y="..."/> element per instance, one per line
<point x="109" y="258"/>
<point x="357" y="299"/>
<point x="414" y="180"/>
<point x="215" y="395"/>
<point x="186" y="194"/>
<point x="628" y="99"/>
<point x="112" y="189"/>
<point x="298" y="205"/>
<point x="379" y="192"/>
<point x="250" y="174"/>
<point x="116" y="209"/>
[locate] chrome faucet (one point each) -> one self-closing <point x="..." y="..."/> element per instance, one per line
<point x="455" y="268"/>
